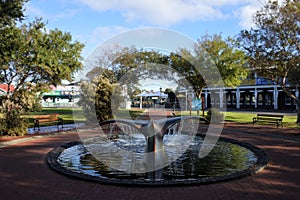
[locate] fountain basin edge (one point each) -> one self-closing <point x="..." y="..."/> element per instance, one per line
<point x="262" y="162"/>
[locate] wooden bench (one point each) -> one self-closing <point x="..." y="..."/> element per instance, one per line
<point x="268" y="118"/>
<point x="47" y="119"/>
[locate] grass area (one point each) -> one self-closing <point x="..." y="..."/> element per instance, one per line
<point x="247" y="118"/>
<point x="244" y="117"/>
<point x="75" y="115"/>
<point x="70" y="115"/>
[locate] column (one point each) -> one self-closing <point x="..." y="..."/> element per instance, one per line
<point x="275" y="97"/>
<point x="221" y="96"/>
<point x="238" y="98"/>
<point x="297" y="96"/>
<point x="141" y="103"/>
<point x="255" y="96"/>
<point x="206" y="98"/>
<point x="186" y="100"/>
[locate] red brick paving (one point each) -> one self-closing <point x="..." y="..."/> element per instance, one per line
<point x="25" y="175"/>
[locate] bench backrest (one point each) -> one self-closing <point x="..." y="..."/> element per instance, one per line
<point x="270" y="116"/>
<point x="51" y="116"/>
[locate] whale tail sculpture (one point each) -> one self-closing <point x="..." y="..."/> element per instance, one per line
<point x="154" y="131"/>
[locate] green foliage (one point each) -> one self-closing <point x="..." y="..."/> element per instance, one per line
<point x="273" y="45"/>
<point x="103" y="98"/>
<point x="42" y="57"/>
<point x="29" y="100"/>
<point x="11" y="11"/>
<point x="100" y="97"/>
<point x="211" y="55"/>
<point x="135" y="65"/>
<point x="229" y="61"/>
<point x="12" y="123"/>
<point x="214" y="115"/>
<point x="31" y="59"/>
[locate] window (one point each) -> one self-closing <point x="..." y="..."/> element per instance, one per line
<point x="260" y="99"/>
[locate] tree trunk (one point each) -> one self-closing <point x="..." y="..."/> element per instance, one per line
<point x="298" y="111"/>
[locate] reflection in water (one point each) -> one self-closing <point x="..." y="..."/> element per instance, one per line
<point x="225" y="158"/>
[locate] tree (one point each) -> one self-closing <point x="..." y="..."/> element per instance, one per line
<point x="196" y="67"/>
<point x="130" y="65"/>
<point x="273" y="46"/>
<point x="30" y="54"/>
<point x="99" y="99"/>
<point x="32" y="58"/>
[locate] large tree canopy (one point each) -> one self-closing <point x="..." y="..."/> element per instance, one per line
<point x="30" y="54"/>
<point x="31" y="59"/>
<point x="273" y="46"/>
<point x="197" y="67"/>
<point x="212" y="56"/>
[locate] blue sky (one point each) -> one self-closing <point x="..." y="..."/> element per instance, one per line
<point x="95" y="21"/>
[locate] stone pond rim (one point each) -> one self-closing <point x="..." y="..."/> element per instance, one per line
<point x="262" y="161"/>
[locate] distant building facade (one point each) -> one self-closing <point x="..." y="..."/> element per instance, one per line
<point x="61" y="96"/>
<point x="256" y="97"/>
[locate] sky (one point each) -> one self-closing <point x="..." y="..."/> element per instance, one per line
<point x="94" y="21"/>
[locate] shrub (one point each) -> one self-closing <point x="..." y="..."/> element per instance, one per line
<point x="98" y="98"/>
<point x="215" y="116"/>
<point x="12" y="123"/>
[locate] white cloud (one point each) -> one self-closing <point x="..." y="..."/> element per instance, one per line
<point x="245" y="13"/>
<point x="170" y="12"/>
<point x="34" y="11"/>
<point x="100" y="34"/>
<point x="164" y="12"/>
<point x="67" y="14"/>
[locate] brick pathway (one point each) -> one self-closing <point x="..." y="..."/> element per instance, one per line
<point x="25" y="175"/>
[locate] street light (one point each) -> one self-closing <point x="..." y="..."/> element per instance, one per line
<point x="160" y="90"/>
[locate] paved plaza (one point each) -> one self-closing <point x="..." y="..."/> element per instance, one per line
<point x="24" y="173"/>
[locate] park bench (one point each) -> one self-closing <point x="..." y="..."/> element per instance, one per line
<point x="268" y="118"/>
<point x="47" y="119"/>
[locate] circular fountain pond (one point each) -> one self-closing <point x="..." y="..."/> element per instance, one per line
<point x="229" y="159"/>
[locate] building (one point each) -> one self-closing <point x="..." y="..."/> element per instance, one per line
<point x="4" y="88"/>
<point x="256" y="97"/>
<point x="61" y="96"/>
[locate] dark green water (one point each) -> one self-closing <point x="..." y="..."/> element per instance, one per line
<point x="225" y="158"/>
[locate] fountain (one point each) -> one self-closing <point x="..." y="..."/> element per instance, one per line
<point x="169" y="151"/>
<point x="156" y="152"/>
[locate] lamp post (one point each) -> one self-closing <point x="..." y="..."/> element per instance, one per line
<point x="160" y="90"/>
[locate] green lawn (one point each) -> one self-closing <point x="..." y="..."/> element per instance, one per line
<point x="71" y="115"/>
<point x="247" y="117"/>
<point x="65" y="113"/>
<point x="244" y="117"/>
<point x="236" y="117"/>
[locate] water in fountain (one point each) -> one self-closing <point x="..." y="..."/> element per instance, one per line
<point x="126" y="154"/>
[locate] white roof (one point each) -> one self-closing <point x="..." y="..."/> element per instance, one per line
<point x="153" y="94"/>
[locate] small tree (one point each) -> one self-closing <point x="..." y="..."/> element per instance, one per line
<point x="12" y="123"/>
<point x="99" y="99"/>
<point x="273" y="46"/>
